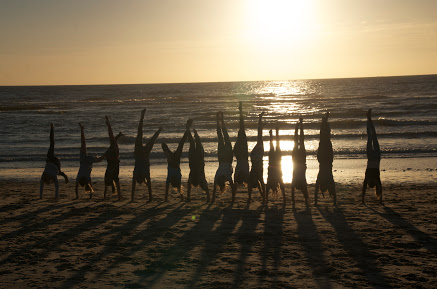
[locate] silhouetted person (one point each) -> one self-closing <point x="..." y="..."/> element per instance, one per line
<point x="298" y="154"/>
<point x="225" y="158"/>
<point x="112" y="156"/>
<point x="86" y="165"/>
<point x="52" y="168"/>
<point x="256" y="178"/>
<point x="372" y="178"/>
<point x="274" y="178"/>
<point x="325" y="156"/>
<point x="196" y="161"/>
<point x="174" y="175"/>
<point x="241" y="153"/>
<point x="141" y="172"/>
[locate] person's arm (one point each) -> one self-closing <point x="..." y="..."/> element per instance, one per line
<point x="82" y="140"/>
<point x="152" y="140"/>
<point x="364" y="189"/>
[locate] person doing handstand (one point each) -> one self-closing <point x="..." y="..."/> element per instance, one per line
<point x="256" y="178"/>
<point x="225" y="158"/>
<point x="141" y="172"/>
<point x="241" y="175"/>
<point x="174" y="176"/>
<point x="112" y="156"/>
<point x="274" y="178"/>
<point x="196" y="162"/>
<point x="325" y="157"/>
<point x="86" y="165"/>
<point x="372" y="177"/>
<point x="52" y="168"/>
<point x="299" y="163"/>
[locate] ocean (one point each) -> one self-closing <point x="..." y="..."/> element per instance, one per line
<point x="404" y="113"/>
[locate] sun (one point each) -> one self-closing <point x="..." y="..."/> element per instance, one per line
<point x="280" y="23"/>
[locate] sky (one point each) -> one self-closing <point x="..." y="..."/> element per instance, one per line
<point x="57" y="42"/>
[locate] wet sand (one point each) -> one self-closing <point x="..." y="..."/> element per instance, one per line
<point x="105" y="244"/>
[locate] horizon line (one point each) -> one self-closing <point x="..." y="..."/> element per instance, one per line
<point x="229" y="81"/>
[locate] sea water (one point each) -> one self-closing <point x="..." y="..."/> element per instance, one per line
<point x="404" y="114"/>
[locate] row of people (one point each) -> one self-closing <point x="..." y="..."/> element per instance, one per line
<point x="252" y="178"/>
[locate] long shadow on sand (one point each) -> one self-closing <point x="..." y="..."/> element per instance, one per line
<point x="215" y="242"/>
<point x="272" y="240"/>
<point x="125" y="248"/>
<point x="312" y="244"/>
<point x="356" y="248"/>
<point x="50" y="243"/>
<point x="30" y="214"/>
<point x="246" y="237"/>
<point x="422" y="238"/>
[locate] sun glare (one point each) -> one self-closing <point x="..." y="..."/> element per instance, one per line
<point x="277" y="24"/>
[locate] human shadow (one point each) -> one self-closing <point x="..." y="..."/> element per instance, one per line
<point x="312" y="244"/>
<point x="117" y="233"/>
<point x="272" y="240"/>
<point x="33" y="224"/>
<point x="425" y="240"/>
<point x="356" y="248"/>
<point x="43" y="246"/>
<point x="246" y="237"/>
<point x="30" y="214"/>
<point x="181" y="248"/>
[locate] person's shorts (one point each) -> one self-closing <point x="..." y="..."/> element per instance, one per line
<point x="111" y="175"/>
<point x="224" y="170"/>
<point x="174" y="177"/>
<point x="141" y="173"/>
<point x="242" y="174"/>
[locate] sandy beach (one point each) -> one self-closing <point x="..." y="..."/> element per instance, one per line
<point x="105" y="244"/>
